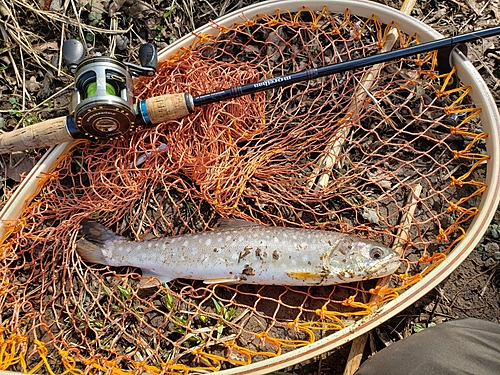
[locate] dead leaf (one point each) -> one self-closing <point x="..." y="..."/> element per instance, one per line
<point x="478" y="6"/>
<point x="115" y="6"/>
<point x="15" y="165"/>
<point x="42" y="47"/>
<point x="380" y="178"/>
<point x="32" y="85"/>
<point x="139" y="9"/>
<point x="495" y="7"/>
<point x="474" y="6"/>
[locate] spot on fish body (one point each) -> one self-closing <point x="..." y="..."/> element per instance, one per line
<point x="248" y="271"/>
<point x="243" y="254"/>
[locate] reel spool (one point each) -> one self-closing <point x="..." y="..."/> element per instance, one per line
<point x="102" y="101"/>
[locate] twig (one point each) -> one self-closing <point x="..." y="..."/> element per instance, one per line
<point x="452" y="302"/>
<point x="487" y="282"/>
<point x="358" y="344"/>
<point x="24" y="90"/>
<point x="112" y="43"/>
<point x="330" y="157"/>
<point x="60" y="59"/>
<point x="6" y="38"/>
<point x="436" y="304"/>
<point x="69" y="21"/>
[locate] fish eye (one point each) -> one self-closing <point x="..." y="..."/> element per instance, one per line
<point x="376" y="253"/>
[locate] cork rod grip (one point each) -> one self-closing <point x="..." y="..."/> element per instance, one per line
<point x="166" y="107"/>
<point x="44" y="134"/>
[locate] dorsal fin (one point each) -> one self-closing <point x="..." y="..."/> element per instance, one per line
<point x="230" y="223"/>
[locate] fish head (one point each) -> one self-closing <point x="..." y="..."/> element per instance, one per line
<point x="361" y="259"/>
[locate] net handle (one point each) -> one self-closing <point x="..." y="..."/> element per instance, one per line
<point x="43" y="134"/>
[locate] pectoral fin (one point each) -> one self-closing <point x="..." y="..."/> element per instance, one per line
<point x="150" y="280"/>
<point x="312" y="276"/>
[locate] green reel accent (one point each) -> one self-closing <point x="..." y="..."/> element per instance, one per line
<point x="92" y="88"/>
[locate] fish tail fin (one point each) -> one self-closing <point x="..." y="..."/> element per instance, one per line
<point x="93" y="247"/>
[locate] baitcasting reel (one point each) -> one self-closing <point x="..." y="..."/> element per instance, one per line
<point x="102" y="105"/>
<point x="102" y="101"/>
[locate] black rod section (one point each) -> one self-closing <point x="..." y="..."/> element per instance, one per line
<point x="362" y="62"/>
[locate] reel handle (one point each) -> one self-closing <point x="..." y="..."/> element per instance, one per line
<point x="43" y="134"/>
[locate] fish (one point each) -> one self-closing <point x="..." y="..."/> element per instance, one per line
<point x="240" y="252"/>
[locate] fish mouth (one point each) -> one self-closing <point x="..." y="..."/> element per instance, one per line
<point x="384" y="268"/>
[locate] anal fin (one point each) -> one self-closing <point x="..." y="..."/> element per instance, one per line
<point x="150" y="280"/>
<point x="222" y="280"/>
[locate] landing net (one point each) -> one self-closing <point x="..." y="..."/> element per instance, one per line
<point x="325" y="154"/>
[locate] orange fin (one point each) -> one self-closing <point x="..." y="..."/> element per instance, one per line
<point x="313" y="276"/>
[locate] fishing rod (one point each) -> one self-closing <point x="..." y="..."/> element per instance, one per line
<point x="102" y="105"/>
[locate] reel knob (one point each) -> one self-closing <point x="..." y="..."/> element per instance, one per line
<point x="148" y="58"/>
<point x="73" y="53"/>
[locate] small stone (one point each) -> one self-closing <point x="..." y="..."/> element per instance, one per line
<point x="122" y="42"/>
<point x="492" y="247"/>
<point x="370" y="215"/>
<point x="490" y="262"/>
<point x="496" y="256"/>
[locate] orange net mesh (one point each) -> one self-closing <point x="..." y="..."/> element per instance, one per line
<point x="316" y="154"/>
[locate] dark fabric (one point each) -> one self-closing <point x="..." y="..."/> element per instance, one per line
<point x="463" y="346"/>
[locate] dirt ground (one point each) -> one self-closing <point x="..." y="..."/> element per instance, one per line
<point x="32" y="91"/>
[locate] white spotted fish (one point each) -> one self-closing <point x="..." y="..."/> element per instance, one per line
<point x="242" y="252"/>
